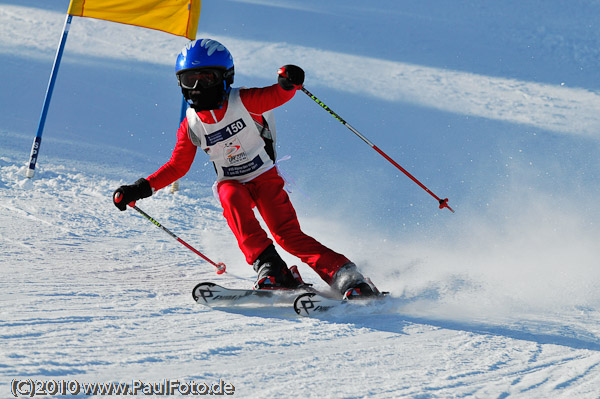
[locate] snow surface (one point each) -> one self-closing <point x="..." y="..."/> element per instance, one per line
<point x="492" y="104"/>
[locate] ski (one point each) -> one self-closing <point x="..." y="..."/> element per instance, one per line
<point x="214" y="295"/>
<point x="314" y="304"/>
<point x="306" y="300"/>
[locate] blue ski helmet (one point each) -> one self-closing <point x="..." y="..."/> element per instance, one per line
<point x="205" y="53"/>
<point x="205" y="71"/>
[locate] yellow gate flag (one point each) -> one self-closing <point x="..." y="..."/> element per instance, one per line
<point x="178" y="17"/>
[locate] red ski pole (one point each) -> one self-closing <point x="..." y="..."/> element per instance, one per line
<point x="220" y="266"/>
<point x="443" y="202"/>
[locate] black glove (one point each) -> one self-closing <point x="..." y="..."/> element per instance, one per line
<point x="131" y="193"/>
<point x="290" y="77"/>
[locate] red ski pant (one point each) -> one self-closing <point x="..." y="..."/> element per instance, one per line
<point x="272" y="202"/>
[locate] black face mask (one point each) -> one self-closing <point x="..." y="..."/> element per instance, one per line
<point x="206" y="99"/>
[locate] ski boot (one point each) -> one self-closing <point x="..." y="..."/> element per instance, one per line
<point x="273" y="273"/>
<point x="351" y="284"/>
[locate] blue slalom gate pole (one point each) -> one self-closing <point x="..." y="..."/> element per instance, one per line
<point x="37" y="141"/>
<point x="184" y="107"/>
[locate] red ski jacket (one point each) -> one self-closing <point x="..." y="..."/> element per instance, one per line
<point x="256" y="100"/>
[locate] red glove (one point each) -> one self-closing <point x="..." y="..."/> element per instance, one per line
<point x="290" y="77"/>
<point x="131" y="193"/>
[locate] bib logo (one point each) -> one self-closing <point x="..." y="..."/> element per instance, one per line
<point x="233" y="152"/>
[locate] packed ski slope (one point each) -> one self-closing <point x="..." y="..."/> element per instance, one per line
<point x="493" y="106"/>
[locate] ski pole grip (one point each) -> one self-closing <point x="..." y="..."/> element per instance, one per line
<point x="118" y="198"/>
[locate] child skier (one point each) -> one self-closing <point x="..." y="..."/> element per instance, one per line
<point x="234" y="126"/>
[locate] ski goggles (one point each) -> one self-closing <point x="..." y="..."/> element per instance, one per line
<point x="201" y="78"/>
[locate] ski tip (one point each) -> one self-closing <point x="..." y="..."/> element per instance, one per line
<point x="303" y="304"/>
<point x="312" y="304"/>
<point x="199" y="290"/>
